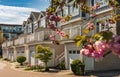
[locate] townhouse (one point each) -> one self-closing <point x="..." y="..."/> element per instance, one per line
<point x="36" y="32"/>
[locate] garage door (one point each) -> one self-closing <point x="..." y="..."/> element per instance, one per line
<point x="72" y="55"/>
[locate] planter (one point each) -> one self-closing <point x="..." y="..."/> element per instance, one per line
<point x="78" y="69"/>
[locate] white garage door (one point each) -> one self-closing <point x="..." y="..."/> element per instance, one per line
<point x="72" y="55"/>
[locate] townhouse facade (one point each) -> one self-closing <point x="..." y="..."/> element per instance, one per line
<point x="36" y="33"/>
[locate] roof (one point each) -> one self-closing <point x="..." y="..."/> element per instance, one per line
<point x="10" y="24"/>
<point x="42" y="13"/>
<point x="24" y="22"/>
<point x="36" y="14"/>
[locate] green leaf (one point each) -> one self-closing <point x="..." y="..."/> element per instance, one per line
<point x="80" y="40"/>
<point x="86" y="31"/>
<point x="107" y="35"/>
<point x="78" y="43"/>
<point x="97" y="36"/>
<point x="77" y="38"/>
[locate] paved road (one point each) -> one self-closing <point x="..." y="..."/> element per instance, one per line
<point x="7" y="71"/>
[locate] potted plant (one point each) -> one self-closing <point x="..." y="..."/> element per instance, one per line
<point x="78" y="67"/>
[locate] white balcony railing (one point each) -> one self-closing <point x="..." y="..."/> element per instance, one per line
<point x="39" y="36"/>
<point x="20" y="41"/>
<point x="30" y="38"/>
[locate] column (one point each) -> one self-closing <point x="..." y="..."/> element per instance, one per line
<point x="15" y="53"/>
<point x="27" y="53"/>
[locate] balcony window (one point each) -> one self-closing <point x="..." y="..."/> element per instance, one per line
<point x="65" y="11"/>
<point x="74" y="11"/>
<point x="103" y="2"/>
<point x="35" y="26"/>
<point x="29" y="28"/>
<point x="43" y="22"/>
<point x="101" y="26"/>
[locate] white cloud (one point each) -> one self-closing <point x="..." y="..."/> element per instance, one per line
<point x="14" y="15"/>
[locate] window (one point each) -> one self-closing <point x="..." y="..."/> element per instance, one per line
<point x="74" y="52"/>
<point x="102" y="2"/>
<point x="92" y="2"/>
<point x="78" y="51"/>
<point x="65" y="11"/>
<point x="43" y="22"/>
<point x="74" y="11"/>
<point x="30" y="28"/>
<point x="22" y="51"/>
<point x="101" y="26"/>
<point x="70" y="52"/>
<point x="83" y="14"/>
<point x="35" y="26"/>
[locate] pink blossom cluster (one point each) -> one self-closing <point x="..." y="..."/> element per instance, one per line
<point x="95" y="7"/>
<point x="115" y="45"/>
<point x="61" y="33"/>
<point x="95" y="50"/>
<point x="52" y="37"/>
<point x="90" y="26"/>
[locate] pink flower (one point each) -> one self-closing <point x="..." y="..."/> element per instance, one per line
<point x="96" y="6"/>
<point x="52" y="37"/>
<point x="95" y="50"/>
<point x="90" y="26"/>
<point x="101" y="45"/>
<point x="85" y="52"/>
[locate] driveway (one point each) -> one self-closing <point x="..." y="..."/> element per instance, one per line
<point x="7" y="71"/>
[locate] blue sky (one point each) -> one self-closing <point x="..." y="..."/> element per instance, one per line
<point x="16" y="11"/>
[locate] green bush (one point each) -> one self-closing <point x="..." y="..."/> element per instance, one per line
<point x="77" y="67"/>
<point x="77" y="62"/>
<point x="62" y="65"/>
<point x="6" y="59"/>
<point x="21" y="59"/>
<point x="36" y="67"/>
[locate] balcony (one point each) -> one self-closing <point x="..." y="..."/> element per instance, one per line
<point x="30" y="38"/>
<point x="39" y="36"/>
<point x="103" y="9"/>
<point x="20" y="41"/>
